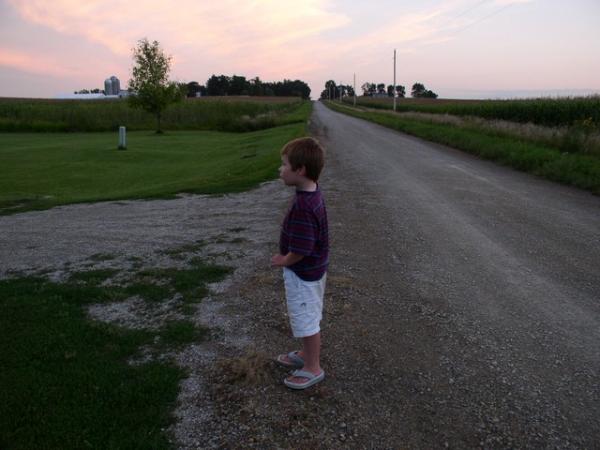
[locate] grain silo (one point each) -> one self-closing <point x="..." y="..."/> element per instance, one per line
<point x="116" y="85"/>
<point x="108" y="86"/>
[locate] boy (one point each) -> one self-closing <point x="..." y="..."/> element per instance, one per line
<point x="304" y="256"/>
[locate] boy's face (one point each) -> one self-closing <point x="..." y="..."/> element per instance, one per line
<point x="289" y="176"/>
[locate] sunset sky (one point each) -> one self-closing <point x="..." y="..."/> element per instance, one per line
<point x="457" y="48"/>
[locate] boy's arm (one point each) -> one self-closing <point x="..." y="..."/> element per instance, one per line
<point x="286" y="260"/>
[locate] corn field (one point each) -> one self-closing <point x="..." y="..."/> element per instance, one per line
<point x="216" y="113"/>
<point x="549" y="112"/>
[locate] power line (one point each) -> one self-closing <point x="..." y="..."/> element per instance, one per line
<point x="471" y="9"/>
<point x="452" y="31"/>
<point x="498" y="11"/>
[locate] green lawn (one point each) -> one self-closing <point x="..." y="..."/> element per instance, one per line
<point x="42" y="170"/>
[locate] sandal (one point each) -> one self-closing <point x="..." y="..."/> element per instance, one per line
<point x="311" y="379"/>
<point x="293" y="360"/>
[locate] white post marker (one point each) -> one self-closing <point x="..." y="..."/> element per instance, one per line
<point x="354" y="89"/>
<point x="394" y="92"/>
<point x="122" y="138"/>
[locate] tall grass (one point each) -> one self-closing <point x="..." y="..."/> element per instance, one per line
<point x="580" y="138"/>
<point x="107" y="115"/>
<point x="543" y="111"/>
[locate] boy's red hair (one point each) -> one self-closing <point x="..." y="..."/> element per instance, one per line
<point x="305" y="152"/>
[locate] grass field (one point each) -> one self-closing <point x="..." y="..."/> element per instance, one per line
<point x="575" y="169"/>
<point x="41" y="170"/>
<point x="212" y="113"/>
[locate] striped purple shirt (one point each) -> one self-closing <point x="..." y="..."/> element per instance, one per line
<point x="305" y="232"/>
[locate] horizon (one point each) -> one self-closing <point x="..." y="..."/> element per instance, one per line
<point x="463" y="95"/>
<point x="463" y="49"/>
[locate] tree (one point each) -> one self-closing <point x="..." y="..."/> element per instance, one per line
<point x="419" y="91"/>
<point x="218" y="85"/>
<point x="238" y="86"/>
<point x="400" y="91"/>
<point x="256" y="87"/>
<point x="381" y="88"/>
<point x="193" y="87"/>
<point x="368" y="89"/>
<point x="151" y="89"/>
<point x="365" y="88"/>
<point x="331" y="89"/>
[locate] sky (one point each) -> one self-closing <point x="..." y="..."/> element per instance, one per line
<point x="457" y="48"/>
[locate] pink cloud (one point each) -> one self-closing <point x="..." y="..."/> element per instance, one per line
<point x="33" y="63"/>
<point x="216" y="28"/>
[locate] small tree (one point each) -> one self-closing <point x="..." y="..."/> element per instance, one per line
<point x="218" y="85"/>
<point x="152" y="90"/>
<point x="365" y="88"/>
<point x="331" y="89"/>
<point x="419" y="91"/>
<point x="238" y="85"/>
<point x="192" y="88"/>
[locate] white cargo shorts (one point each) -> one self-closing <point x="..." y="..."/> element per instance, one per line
<point x="304" y="303"/>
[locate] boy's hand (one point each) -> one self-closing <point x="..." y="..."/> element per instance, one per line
<point x="278" y="260"/>
<point x="290" y="259"/>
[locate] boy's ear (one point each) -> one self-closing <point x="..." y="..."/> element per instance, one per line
<point x="302" y="171"/>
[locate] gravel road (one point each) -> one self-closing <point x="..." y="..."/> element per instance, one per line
<point x="484" y="309"/>
<point x="462" y="306"/>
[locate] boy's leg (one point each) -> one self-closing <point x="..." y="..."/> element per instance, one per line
<point x="305" y="308"/>
<point x="311" y="353"/>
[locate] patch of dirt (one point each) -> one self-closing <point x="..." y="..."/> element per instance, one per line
<point x="136" y="313"/>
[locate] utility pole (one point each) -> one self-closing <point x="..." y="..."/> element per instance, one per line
<point x="354" y="89"/>
<point x="394" y="91"/>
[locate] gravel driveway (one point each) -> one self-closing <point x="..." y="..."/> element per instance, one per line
<point x="462" y="307"/>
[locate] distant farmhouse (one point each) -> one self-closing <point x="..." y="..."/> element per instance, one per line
<point x="112" y="90"/>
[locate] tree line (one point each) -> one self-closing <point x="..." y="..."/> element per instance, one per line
<point x="236" y="85"/>
<point x="418" y="90"/>
<point x="239" y="85"/>
<point x="89" y="91"/>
